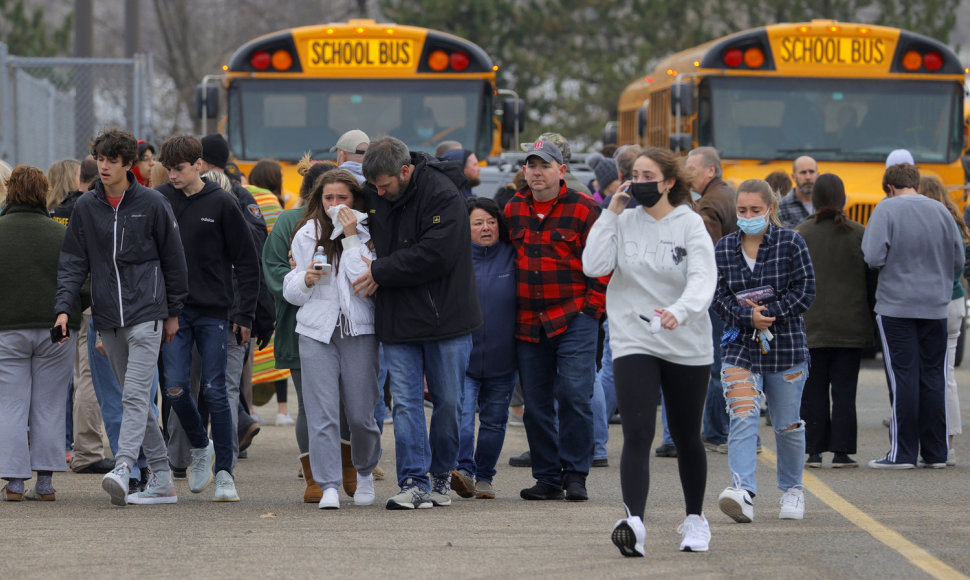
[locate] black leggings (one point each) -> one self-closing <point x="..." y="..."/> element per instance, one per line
<point x="638" y="379"/>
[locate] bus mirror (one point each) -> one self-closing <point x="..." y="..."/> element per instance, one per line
<point x="681" y="142"/>
<point x="513" y="116"/>
<point x="641" y="123"/>
<point x="682" y="95"/>
<point x="207" y="97"/>
<point x="610" y="133"/>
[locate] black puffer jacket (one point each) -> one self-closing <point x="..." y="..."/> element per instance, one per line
<point x="424" y="260"/>
<point x="134" y="255"/>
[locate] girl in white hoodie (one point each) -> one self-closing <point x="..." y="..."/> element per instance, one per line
<point x="664" y="275"/>
<point x="338" y="348"/>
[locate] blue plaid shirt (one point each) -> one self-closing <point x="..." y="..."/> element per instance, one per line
<point x="784" y="264"/>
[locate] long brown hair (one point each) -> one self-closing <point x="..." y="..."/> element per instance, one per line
<point x="671" y="167"/>
<point x="933" y="188"/>
<point x="323" y="223"/>
<point x="828" y="199"/>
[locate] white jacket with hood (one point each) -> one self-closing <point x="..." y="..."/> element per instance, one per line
<point x="321" y="304"/>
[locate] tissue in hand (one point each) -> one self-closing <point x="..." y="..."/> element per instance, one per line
<point x="338" y="227"/>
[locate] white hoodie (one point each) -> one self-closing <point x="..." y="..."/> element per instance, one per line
<point x="665" y="264"/>
<point x="321" y="304"/>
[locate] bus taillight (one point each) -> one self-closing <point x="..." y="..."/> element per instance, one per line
<point x="932" y="61"/>
<point x="733" y="58"/>
<point x="754" y="57"/>
<point x="438" y="60"/>
<point x="459" y="61"/>
<point x="260" y="60"/>
<point x="282" y="60"/>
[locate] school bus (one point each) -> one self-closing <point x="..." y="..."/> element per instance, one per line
<point x="845" y="94"/>
<point x="299" y="89"/>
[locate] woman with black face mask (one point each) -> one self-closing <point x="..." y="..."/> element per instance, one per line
<point x="664" y="275"/>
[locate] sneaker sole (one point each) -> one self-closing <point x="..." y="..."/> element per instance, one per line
<point x="439" y="503"/>
<point x="733" y="510"/>
<point x="393" y="505"/>
<point x="891" y="466"/>
<point x="626" y="540"/>
<point x="460" y="486"/>
<point x="791" y="516"/>
<point x="693" y="548"/>
<point x="118" y="493"/>
<point x="364" y="502"/>
<point x="844" y="465"/>
<point x="133" y="499"/>
<point x="814" y="465"/>
<point x="225" y="499"/>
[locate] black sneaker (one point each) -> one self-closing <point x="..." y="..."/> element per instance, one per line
<point x="575" y="487"/>
<point x="601" y="462"/>
<point x="102" y="466"/>
<point x="178" y="472"/>
<point x="666" y="451"/>
<point x="541" y="491"/>
<point x="843" y="460"/>
<point x="814" y="460"/>
<point x="524" y="460"/>
<point x="615" y="419"/>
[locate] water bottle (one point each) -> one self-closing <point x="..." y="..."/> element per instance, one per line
<point x="319" y="259"/>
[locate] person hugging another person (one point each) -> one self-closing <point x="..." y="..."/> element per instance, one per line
<point x="338" y="347"/>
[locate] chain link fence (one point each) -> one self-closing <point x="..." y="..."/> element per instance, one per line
<point x="51" y="108"/>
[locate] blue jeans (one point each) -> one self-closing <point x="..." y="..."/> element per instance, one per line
<point x="380" y="409"/>
<point x="604" y="405"/>
<point x="744" y="396"/>
<point x="444" y="363"/>
<point x="560" y="369"/>
<point x="208" y="334"/>
<point x="491" y="398"/>
<point x="716" y="423"/>
<point x="108" y="392"/>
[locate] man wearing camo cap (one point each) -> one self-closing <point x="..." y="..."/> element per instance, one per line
<point x="572" y="182"/>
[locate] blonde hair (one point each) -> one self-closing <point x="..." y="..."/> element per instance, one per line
<point x="931" y="187"/>
<point x="761" y="187"/>
<point x="5" y="171"/>
<point x="63" y="178"/>
<point x="158" y="175"/>
<point x="219" y="178"/>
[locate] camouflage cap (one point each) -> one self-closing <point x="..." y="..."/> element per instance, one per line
<point x="554" y="138"/>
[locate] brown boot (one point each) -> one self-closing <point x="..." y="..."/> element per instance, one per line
<point x="349" y="472"/>
<point x="313" y="492"/>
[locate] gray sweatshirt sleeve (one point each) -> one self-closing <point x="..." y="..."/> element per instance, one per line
<point x="875" y="241"/>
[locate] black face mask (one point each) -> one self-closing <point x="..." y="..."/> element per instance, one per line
<point x="645" y="193"/>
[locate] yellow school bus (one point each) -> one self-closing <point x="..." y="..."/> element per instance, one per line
<point x="299" y="89"/>
<point x="845" y="94"/>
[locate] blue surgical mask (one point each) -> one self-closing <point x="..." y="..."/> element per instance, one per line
<point x="753" y="226"/>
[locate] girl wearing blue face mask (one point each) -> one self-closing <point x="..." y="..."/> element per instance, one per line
<point x="765" y="282"/>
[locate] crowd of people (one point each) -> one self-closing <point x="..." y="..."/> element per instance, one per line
<point x="390" y="276"/>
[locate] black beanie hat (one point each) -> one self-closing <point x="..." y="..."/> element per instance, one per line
<point x="215" y="150"/>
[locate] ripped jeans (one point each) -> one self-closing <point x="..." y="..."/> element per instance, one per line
<point x="744" y="391"/>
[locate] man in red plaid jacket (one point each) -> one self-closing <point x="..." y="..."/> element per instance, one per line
<point x="557" y="324"/>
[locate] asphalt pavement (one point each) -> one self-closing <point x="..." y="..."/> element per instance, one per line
<point x="859" y="523"/>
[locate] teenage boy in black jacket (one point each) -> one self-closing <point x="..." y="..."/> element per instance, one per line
<point x="426" y="308"/>
<point x="125" y="236"/>
<point x="218" y="244"/>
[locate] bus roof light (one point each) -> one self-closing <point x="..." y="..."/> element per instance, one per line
<point x="389" y="31"/>
<point x="260" y="60"/>
<point x="733" y="58"/>
<point x="932" y="61"/>
<point x="833" y="28"/>
<point x="863" y="30"/>
<point x="754" y="57"/>
<point x="438" y="60"/>
<point x="912" y="60"/>
<point x="282" y="60"/>
<point x="495" y="67"/>
<point x="459" y="61"/>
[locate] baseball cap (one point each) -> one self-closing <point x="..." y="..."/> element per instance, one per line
<point x="545" y="150"/>
<point x="555" y="138"/>
<point x="349" y="141"/>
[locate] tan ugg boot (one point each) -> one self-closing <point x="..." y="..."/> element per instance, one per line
<point x="313" y="492"/>
<point x="349" y="471"/>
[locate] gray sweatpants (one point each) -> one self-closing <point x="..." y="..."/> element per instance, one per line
<point x="343" y="371"/>
<point x="34" y="377"/>
<point x="133" y="353"/>
<point x="179" y="448"/>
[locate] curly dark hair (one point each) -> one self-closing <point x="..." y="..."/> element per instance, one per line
<point x="116" y="144"/>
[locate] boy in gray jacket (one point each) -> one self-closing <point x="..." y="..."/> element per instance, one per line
<point x="917" y="248"/>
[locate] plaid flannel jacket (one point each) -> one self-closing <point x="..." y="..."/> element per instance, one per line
<point x="791" y="212"/>
<point x="783" y="263"/>
<point x="551" y="288"/>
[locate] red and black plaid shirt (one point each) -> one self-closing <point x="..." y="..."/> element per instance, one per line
<point x="551" y="288"/>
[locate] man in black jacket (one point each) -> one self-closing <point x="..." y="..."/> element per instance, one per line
<point x="215" y="234"/>
<point x="427" y="308"/>
<point x="125" y="236"/>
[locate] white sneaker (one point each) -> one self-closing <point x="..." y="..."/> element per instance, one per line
<point x="737" y="504"/>
<point x="115" y="482"/>
<point x="365" y="490"/>
<point x="792" y="505"/>
<point x="200" y="471"/>
<point x="284" y="419"/>
<point x="330" y="499"/>
<point x="629" y="535"/>
<point x="225" y="487"/>
<point x="951" y="457"/>
<point x="696" y="533"/>
<point x="160" y="490"/>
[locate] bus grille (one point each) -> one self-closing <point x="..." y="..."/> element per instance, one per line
<point x="860" y="212"/>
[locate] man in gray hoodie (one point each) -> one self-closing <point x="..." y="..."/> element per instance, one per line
<point x="914" y="243"/>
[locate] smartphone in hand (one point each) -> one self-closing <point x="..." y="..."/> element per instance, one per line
<point x="56" y="334"/>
